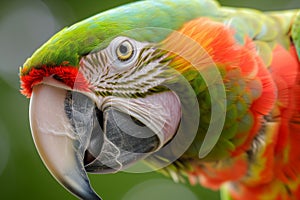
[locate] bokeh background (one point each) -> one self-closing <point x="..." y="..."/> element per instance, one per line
<point x="24" y="26"/>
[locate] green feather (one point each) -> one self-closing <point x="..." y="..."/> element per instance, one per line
<point x="296" y="33"/>
<point x="70" y="44"/>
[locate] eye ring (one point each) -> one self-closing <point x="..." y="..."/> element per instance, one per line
<point x="124" y="51"/>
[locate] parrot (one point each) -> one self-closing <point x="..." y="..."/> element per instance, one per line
<point x="200" y="92"/>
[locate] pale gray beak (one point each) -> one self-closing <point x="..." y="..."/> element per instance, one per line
<point x="73" y="136"/>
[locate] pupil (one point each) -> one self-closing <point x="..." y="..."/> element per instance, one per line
<point x="123" y="49"/>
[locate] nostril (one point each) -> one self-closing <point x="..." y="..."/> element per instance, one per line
<point x="58" y="78"/>
<point x="100" y="119"/>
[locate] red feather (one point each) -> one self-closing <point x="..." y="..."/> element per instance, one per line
<point x="67" y="74"/>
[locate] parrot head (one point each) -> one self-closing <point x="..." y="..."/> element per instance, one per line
<point x="104" y="93"/>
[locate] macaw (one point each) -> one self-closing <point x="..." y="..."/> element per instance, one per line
<point x="200" y="92"/>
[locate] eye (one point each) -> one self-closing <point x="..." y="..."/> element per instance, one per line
<point x="124" y="51"/>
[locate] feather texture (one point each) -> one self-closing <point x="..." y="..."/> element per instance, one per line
<point x="256" y="55"/>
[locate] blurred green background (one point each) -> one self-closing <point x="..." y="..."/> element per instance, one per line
<point x="24" y="26"/>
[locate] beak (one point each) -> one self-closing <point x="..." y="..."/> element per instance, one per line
<point x="74" y="137"/>
<point x="123" y="143"/>
<point x="56" y="141"/>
